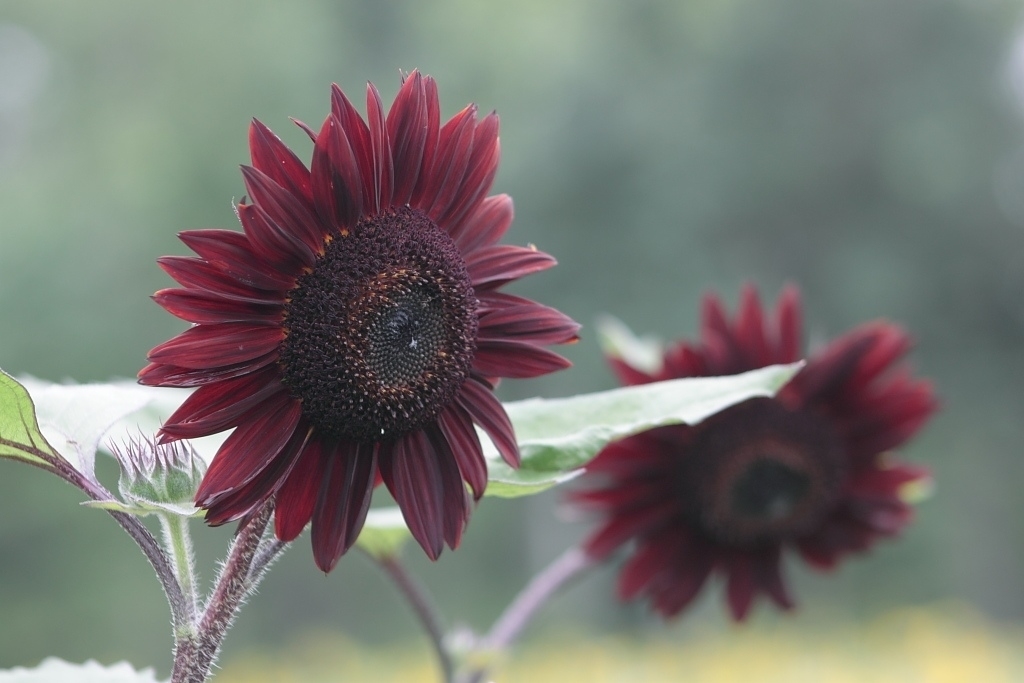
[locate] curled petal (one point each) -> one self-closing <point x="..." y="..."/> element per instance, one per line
<point x="300" y="230"/>
<point x="272" y="157"/>
<point x="497" y="265"/>
<point x="297" y="496"/>
<point x="408" y="131"/>
<point x="243" y="501"/>
<point x="509" y="358"/>
<point x="481" y="168"/>
<point x="378" y="193"/>
<point x="343" y="501"/>
<point x="487" y="223"/>
<point x="479" y="401"/>
<point x="450" y="163"/>
<point x="213" y="346"/>
<point x="418" y="487"/>
<point x="163" y="375"/>
<point x="249" y="449"/>
<point x="457" y="428"/>
<point x="222" y="405"/>
<point x="197" y="306"/>
<point x="273" y="244"/>
<point x="337" y="184"/>
<point x="232" y="253"/>
<point x="530" y="322"/>
<point x="197" y="273"/>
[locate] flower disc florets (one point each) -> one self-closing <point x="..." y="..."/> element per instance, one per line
<point x="381" y="332"/>
<point x="761" y="472"/>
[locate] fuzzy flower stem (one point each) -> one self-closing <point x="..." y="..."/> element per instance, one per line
<point x="266" y="555"/>
<point x="178" y="542"/>
<point x="567" y="567"/>
<point x="195" y="656"/>
<point x="422" y="604"/>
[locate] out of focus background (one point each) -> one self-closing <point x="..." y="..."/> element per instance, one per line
<point x="871" y="152"/>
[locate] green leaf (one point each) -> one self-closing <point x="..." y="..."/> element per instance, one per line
<point x="79" y="418"/>
<point x="19" y="429"/>
<point x="384" y="532"/>
<point x="557" y="436"/>
<point x="53" y="670"/>
<point x="75" y="417"/>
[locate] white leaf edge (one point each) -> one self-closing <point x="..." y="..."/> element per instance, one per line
<point x="54" y="670"/>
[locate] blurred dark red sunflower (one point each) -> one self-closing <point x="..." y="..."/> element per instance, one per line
<point x="355" y="329"/>
<point x="809" y="469"/>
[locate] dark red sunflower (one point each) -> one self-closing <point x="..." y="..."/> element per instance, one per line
<point x="355" y="328"/>
<point x="809" y="469"/>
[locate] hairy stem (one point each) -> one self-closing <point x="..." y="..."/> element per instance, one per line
<point x="268" y="552"/>
<point x="419" y="599"/>
<point x="178" y="542"/>
<point x="195" y="656"/>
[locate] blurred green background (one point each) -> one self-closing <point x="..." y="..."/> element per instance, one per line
<point x="870" y="151"/>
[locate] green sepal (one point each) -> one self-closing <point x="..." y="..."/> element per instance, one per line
<point x="141" y="509"/>
<point x="160" y="478"/>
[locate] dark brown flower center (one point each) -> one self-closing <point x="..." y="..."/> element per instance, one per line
<point x="761" y="473"/>
<point x="381" y="333"/>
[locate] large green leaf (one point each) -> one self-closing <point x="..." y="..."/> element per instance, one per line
<point x="557" y="436"/>
<point x="77" y="419"/>
<point x="20" y="436"/>
<point x="53" y="670"/>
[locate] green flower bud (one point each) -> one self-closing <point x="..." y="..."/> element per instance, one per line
<point x="158" y="477"/>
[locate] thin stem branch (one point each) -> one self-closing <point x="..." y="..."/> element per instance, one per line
<point x="268" y="552"/>
<point x="568" y="566"/>
<point x="180" y="613"/>
<point x="422" y="604"/>
<point x="509" y="626"/>
<point x="195" y="656"/>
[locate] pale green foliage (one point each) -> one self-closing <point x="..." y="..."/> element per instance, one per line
<point x="558" y="436"/>
<point x="19" y="430"/>
<point x="53" y="670"/>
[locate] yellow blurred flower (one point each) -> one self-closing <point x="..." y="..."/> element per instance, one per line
<point x="949" y="644"/>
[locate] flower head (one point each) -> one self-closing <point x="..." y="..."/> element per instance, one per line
<point x="356" y="329"/>
<point x="808" y="470"/>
